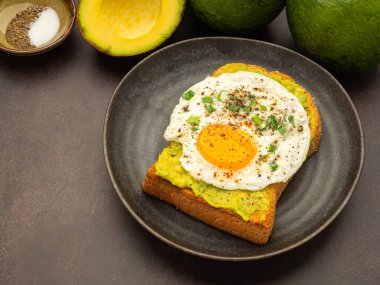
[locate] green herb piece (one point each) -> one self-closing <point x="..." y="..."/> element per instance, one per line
<point x="282" y="129"/>
<point x="257" y="120"/>
<point x="194" y="121"/>
<point x="188" y="95"/>
<point x="251" y="102"/>
<point x="263" y="157"/>
<point x="273" y="166"/>
<point x="210" y="109"/>
<point x="272" y="148"/>
<point x="272" y="123"/>
<point x="232" y="97"/>
<point x="252" y="97"/>
<point x="219" y="97"/>
<point x="207" y="100"/>
<point x="194" y="129"/>
<point x="247" y="109"/>
<point x="263" y="108"/>
<point x="291" y="120"/>
<point x="233" y="108"/>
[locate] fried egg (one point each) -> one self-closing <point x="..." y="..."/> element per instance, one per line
<point x="240" y="130"/>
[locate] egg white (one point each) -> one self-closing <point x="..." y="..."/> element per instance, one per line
<point x="292" y="148"/>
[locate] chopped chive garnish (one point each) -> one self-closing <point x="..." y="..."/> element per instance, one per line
<point x="194" y="129"/>
<point x="219" y="98"/>
<point x="273" y="166"/>
<point x="263" y="108"/>
<point x="272" y="123"/>
<point x="194" y="120"/>
<point x="207" y="99"/>
<point x="272" y="148"/>
<point x="257" y="120"/>
<point x="232" y="97"/>
<point x="264" y="157"/>
<point x="188" y="95"/>
<point x="291" y="120"/>
<point x="251" y="101"/>
<point x="233" y="108"/>
<point x="282" y="129"/>
<point x="263" y="128"/>
<point x="247" y="109"/>
<point x="210" y="109"/>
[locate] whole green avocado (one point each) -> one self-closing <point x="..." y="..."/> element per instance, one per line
<point x="237" y="16"/>
<point x="343" y="35"/>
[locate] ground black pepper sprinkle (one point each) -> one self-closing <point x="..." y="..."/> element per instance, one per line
<point x="16" y="33"/>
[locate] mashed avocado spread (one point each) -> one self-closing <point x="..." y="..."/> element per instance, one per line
<point x="242" y="202"/>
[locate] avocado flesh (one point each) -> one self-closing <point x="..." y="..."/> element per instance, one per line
<point x="130" y="19"/>
<point x="126" y="28"/>
<point x="343" y="35"/>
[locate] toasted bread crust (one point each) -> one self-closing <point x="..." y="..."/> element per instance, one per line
<point x="223" y="219"/>
<point x="255" y="230"/>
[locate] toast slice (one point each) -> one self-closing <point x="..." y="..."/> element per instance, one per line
<point x="256" y="230"/>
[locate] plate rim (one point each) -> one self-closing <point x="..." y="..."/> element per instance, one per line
<point x="214" y="256"/>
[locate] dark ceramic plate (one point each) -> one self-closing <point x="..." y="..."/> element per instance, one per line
<point x="140" y="110"/>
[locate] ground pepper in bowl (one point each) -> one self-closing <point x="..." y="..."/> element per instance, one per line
<point x="32" y="27"/>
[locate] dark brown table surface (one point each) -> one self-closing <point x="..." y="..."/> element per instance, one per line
<point x="61" y="222"/>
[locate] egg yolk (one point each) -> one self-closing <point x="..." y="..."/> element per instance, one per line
<point x="226" y="147"/>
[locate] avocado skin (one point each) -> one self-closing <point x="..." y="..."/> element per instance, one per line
<point x="343" y="35"/>
<point x="237" y="16"/>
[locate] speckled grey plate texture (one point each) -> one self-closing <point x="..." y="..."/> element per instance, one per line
<point x="139" y="112"/>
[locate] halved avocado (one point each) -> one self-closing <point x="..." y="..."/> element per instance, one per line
<point x="128" y="27"/>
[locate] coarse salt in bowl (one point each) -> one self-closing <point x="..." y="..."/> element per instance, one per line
<point x="44" y="29"/>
